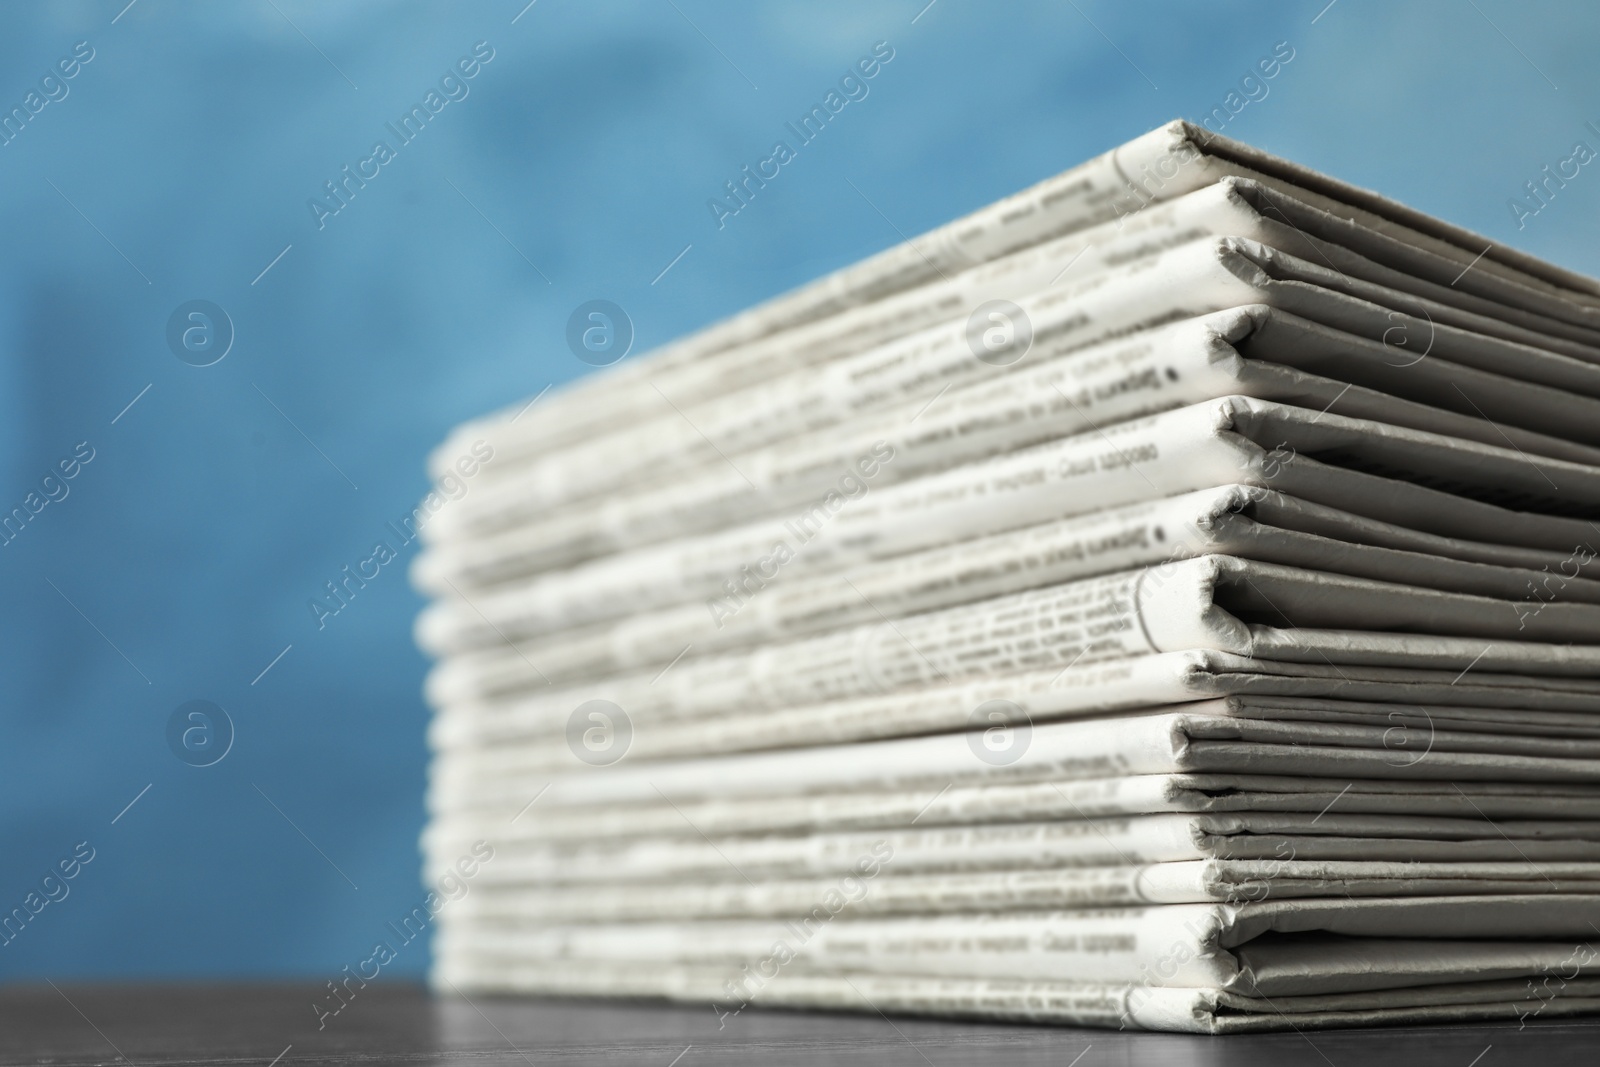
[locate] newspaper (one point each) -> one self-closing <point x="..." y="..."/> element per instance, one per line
<point x="773" y="557"/>
<point x="671" y="510"/>
<point x="793" y="600"/>
<point x="1103" y="1004"/>
<point x="1340" y="945"/>
<point x="1072" y="837"/>
<point x="1222" y="210"/>
<point x="1223" y="603"/>
<point x="1166" y="368"/>
<point x="1117" y="186"/>
<point x="1390" y="845"/>
<point x="1411" y="732"/>
<point x="1218" y="651"/>
<point x="1201" y="277"/>
<point x="1175" y="882"/>
<point x="1062" y="384"/>
<point x="1002" y="802"/>
<point x="1402" y="743"/>
<point x="1403" y="739"/>
<point x="1217" y="521"/>
<point x="1118" y="685"/>
<point x="1031" y="697"/>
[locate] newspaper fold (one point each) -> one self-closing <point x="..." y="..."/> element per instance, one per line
<point x="1166" y="163"/>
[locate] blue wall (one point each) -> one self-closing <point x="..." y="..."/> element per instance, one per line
<point x="178" y="164"/>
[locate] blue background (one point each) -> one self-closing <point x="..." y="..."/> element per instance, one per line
<point x="182" y="161"/>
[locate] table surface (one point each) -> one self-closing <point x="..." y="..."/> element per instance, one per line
<point x="398" y="1024"/>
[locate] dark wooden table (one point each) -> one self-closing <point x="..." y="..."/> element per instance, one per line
<point x="396" y="1024"/>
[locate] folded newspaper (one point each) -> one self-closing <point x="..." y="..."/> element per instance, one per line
<point x="1166" y="598"/>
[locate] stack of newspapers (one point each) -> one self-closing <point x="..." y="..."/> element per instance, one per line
<point x="1165" y="598"/>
